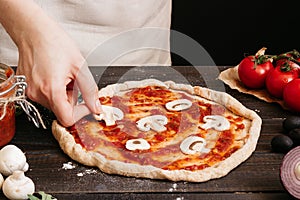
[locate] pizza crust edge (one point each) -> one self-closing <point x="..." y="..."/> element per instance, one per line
<point x="77" y="153"/>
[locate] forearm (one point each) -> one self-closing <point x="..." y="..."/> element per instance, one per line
<point x="24" y="21"/>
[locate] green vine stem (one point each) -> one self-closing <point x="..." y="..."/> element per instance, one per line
<point x="293" y="56"/>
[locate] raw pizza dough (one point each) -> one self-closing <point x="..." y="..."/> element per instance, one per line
<point x="110" y="161"/>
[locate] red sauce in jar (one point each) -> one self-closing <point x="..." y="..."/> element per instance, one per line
<point x="7" y="123"/>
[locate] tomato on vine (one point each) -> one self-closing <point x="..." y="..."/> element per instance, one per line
<point x="291" y="95"/>
<point x="284" y="72"/>
<point x="293" y="55"/>
<point x="253" y="71"/>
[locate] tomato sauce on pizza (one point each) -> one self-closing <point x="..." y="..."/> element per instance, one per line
<point x="162" y="146"/>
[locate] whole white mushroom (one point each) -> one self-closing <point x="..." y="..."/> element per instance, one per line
<point x="17" y="186"/>
<point x="12" y="159"/>
<point x="1" y="180"/>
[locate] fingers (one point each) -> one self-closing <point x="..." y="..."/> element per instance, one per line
<point x="69" y="115"/>
<point x="89" y="90"/>
<point x="64" y="107"/>
<point x="72" y="93"/>
<point x="64" y="99"/>
<point x="60" y="94"/>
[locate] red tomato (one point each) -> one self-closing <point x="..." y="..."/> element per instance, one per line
<point x="284" y="72"/>
<point x="291" y="95"/>
<point x="253" y="73"/>
<point x="286" y="64"/>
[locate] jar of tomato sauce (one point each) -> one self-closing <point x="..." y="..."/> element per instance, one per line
<point x="7" y="105"/>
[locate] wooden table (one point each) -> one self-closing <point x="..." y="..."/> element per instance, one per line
<point x="257" y="178"/>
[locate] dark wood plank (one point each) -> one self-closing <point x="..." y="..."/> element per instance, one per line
<point x="176" y="196"/>
<point x="171" y="196"/>
<point x="260" y="173"/>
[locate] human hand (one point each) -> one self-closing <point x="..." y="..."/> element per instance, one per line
<point x="54" y="68"/>
<point x="55" y="71"/>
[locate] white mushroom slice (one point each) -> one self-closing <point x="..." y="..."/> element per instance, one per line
<point x="110" y="115"/>
<point x="154" y="122"/>
<point x="137" y="144"/>
<point x="193" y="144"/>
<point x="177" y="105"/>
<point x="216" y="122"/>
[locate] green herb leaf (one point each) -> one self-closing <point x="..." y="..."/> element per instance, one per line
<point x="41" y="196"/>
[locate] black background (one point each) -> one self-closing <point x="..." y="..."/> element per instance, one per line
<point x="230" y="29"/>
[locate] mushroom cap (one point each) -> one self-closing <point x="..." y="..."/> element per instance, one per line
<point x="137" y="144"/>
<point x="193" y="145"/>
<point x="179" y="104"/>
<point x="109" y="114"/>
<point x="216" y="122"/>
<point x="154" y="122"/>
<point x="11" y="159"/>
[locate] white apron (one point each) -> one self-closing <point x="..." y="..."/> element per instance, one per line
<point x="109" y="32"/>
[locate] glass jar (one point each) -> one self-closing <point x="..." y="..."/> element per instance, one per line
<point x="7" y="105"/>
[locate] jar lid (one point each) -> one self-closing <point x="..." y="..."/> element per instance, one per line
<point x="10" y="81"/>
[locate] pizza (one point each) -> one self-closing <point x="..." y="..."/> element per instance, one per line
<point x="163" y="130"/>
